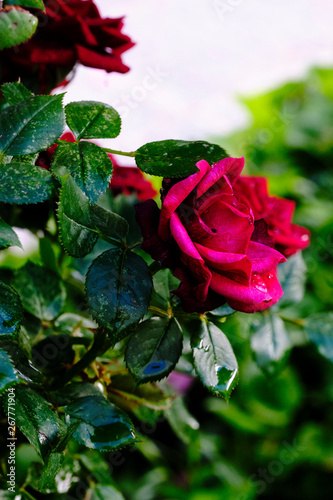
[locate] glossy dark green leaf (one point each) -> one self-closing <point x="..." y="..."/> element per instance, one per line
<point x="11" y="312"/>
<point x="214" y="359"/>
<point x="154" y="349"/>
<point x="32" y="125"/>
<point x="108" y="223"/>
<point x="320" y="331"/>
<point x="102" y="426"/>
<point x="102" y="492"/>
<point x="8" y="237"/>
<point x="37" y="421"/>
<point x="8" y="374"/>
<point x="15" y="92"/>
<point x="16" y="26"/>
<point x="292" y="277"/>
<point x="37" y="4"/>
<point x="25" y="369"/>
<point x="88" y="164"/>
<point x="74" y="221"/>
<point x="174" y="158"/>
<point x="118" y="288"/>
<point x="93" y="120"/>
<point x="22" y="183"/>
<point x="41" y="290"/>
<point x="269" y="341"/>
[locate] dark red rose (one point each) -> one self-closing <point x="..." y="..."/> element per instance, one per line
<point x="130" y="180"/>
<point x="288" y="238"/>
<point x="69" y="32"/>
<point x="207" y="234"/>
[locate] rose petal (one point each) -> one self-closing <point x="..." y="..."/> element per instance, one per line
<point x="94" y="59"/>
<point x="176" y="195"/>
<point x="229" y="167"/>
<point x="263" y="258"/>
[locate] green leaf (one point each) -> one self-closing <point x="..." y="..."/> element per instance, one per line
<point x="92" y="120"/>
<point x="35" y="419"/>
<point x="214" y="360"/>
<point x="174" y="158"/>
<point x="101" y="492"/>
<point x="8" y="237"/>
<point x="319" y="329"/>
<point x="269" y="342"/>
<point x="223" y="311"/>
<point x="154" y="349"/>
<point x="88" y="164"/>
<point x="165" y="283"/>
<point x="118" y="288"/>
<point x="22" y="183"/>
<point x="53" y="465"/>
<point x="183" y="424"/>
<point x="124" y="393"/>
<point x="31" y="125"/>
<point x="11" y="312"/>
<point x="15" y="92"/>
<point x="25" y="369"/>
<point x="36" y="4"/>
<point x="16" y="26"/>
<point x="74" y="221"/>
<point x="108" y="223"/>
<point x="102" y="426"/>
<point x="8" y="374"/>
<point x="292" y="277"/>
<point x="42" y="291"/>
<point x="47" y="254"/>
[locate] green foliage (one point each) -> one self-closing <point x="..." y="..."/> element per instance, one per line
<point x="15" y="92"/>
<point x="36" y="4"/>
<point x="118" y="288"/>
<point x="89" y="166"/>
<point x="23" y="183"/>
<point x="319" y="329"/>
<point x="10" y="310"/>
<point x="8" y="237"/>
<point x="38" y="422"/>
<point x="8" y="375"/>
<point x="174" y="158"/>
<point x="292" y="278"/>
<point x="214" y="359"/>
<point x="270" y="342"/>
<point x="154" y="349"/>
<point x="92" y="120"/>
<point x="41" y="291"/>
<point x="75" y="221"/>
<point x="108" y="223"/>
<point x="16" y="26"/>
<point x="31" y="125"/>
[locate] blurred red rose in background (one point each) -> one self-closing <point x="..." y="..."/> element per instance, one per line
<point x="69" y="32"/>
<point x="207" y="233"/>
<point x="288" y="238"/>
<point x="130" y="180"/>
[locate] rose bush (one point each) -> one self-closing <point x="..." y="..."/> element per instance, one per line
<point x="207" y="232"/>
<point x="130" y="180"/>
<point x="288" y="238"/>
<point x="68" y="33"/>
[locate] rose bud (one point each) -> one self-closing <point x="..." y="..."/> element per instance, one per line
<point x="207" y="234"/>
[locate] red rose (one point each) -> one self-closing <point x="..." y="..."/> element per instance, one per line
<point x="129" y="180"/>
<point x="288" y="238"/>
<point x="207" y="234"/>
<point x="69" y="32"/>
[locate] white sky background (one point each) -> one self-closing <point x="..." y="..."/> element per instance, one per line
<point x="207" y="53"/>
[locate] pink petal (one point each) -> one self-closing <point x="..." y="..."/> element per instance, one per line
<point x="263" y="258"/>
<point x="190" y="257"/>
<point x="177" y="195"/>
<point x="229" y="167"/>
